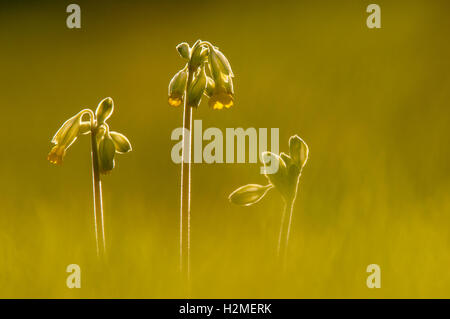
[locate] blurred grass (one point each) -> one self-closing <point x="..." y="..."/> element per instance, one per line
<point x="371" y="104"/>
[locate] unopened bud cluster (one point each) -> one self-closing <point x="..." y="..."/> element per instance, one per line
<point x="207" y="73"/>
<point x="108" y="143"/>
<point x="285" y="179"/>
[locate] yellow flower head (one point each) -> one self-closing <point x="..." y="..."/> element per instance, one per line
<point x="56" y="155"/>
<point x="222" y="99"/>
<point x="107" y="143"/>
<point x="175" y="100"/>
<point x="65" y="137"/>
<point x="176" y="88"/>
<point x="207" y="72"/>
<point x="221" y="93"/>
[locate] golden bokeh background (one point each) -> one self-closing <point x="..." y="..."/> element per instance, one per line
<point x="373" y="106"/>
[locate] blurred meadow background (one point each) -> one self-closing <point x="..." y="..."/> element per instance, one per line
<point x="372" y="104"/>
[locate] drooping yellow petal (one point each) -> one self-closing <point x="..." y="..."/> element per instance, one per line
<point x="219" y="100"/>
<point x="56" y="155"/>
<point x="218" y="106"/>
<point x="230" y="104"/>
<point x="175" y="101"/>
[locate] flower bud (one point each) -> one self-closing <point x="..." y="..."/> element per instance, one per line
<point x="222" y="95"/>
<point x="68" y="132"/>
<point x="184" y="50"/>
<point x="228" y="85"/>
<point x="198" y="56"/>
<point x="209" y="90"/>
<point x="176" y="88"/>
<point x="219" y="63"/>
<point x="298" y="150"/>
<point x="197" y="88"/>
<point x="286" y="158"/>
<point x="106" y="152"/>
<point x="121" y="143"/>
<point x="220" y="100"/>
<point x="279" y="178"/>
<point x="56" y="155"/>
<point x="249" y="194"/>
<point x="104" y="110"/>
<point x="293" y="171"/>
<point x="101" y="131"/>
<point x="64" y="138"/>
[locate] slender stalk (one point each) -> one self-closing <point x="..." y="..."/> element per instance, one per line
<point x="285" y="228"/>
<point x="185" y="206"/>
<point x="281" y="234"/>
<point x="290" y="206"/>
<point x="98" y="204"/>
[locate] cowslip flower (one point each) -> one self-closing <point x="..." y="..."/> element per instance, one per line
<point x="210" y="75"/>
<point x="66" y="136"/>
<point x="105" y="144"/>
<point x="206" y="75"/>
<point x="177" y="86"/>
<point x="221" y="91"/>
<point x="221" y="94"/>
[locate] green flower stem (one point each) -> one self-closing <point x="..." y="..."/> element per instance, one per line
<point x="284" y="226"/>
<point x="290" y="206"/>
<point x="281" y="234"/>
<point x="98" y="204"/>
<point x="97" y="189"/>
<point x="283" y="240"/>
<point x="185" y="207"/>
<point x="285" y="229"/>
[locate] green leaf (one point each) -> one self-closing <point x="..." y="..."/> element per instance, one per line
<point x="104" y="110"/>
<point x="249" y="194"/>
<point x="121" y="143"/>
